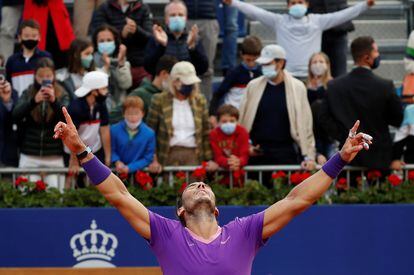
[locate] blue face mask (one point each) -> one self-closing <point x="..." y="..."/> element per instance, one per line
<point x="269" y="71"/>
<point x="298" y="10"/>
<point x="106" y="47"/>
<point x="228" y="128"/>
<point x="377" y="62"/>
<point x="176" y="23"/>
<point x="186" y="90"/>
<point x="87" y="61"/>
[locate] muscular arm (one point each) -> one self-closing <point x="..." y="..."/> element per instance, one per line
<point x="298" y="200"/>
<point x="309" y="191"/>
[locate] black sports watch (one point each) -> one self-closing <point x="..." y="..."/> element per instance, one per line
<point x="83" y="155"/>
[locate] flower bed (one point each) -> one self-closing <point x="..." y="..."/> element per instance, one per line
<point x="369" y="190"/>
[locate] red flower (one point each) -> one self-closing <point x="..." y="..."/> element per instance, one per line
<point x="182" y="188"/>
<point x="144" y="180"/>
<point x="199" y="173"/>
<point x="181" y="175"/>
<point x="123" y="176"/>
<point x="305" y="175"/>
<point x="411" y="175"/>
<point x="373" y="175"/>
<point x="40" y="185"/>
<point x="296" y="178"/>
<point x="342" y="184"/>
<point x="279" y="175"/>
<point x="204" y="164"/>
<point x="394" y="180"/>
<point x="19" y="180"/>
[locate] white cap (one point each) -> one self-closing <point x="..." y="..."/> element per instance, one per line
<point x="92" y="81"/>
<point x="185" y="72"/>
<point x="271" y="52"/>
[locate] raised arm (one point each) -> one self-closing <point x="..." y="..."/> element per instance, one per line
<point x="309" y="191"/>
<point x="110" y="186"/>
<point x="270" y="19"/>
<point x="330" y="20"/>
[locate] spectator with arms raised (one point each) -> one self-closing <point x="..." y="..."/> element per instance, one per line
<point x="176" y="41"/>
<point x="298" y="33"/>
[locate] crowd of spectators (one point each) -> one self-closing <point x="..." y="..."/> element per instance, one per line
<point x="140" y="93"/>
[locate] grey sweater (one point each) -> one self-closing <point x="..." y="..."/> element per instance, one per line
<point x="299" y="37"/>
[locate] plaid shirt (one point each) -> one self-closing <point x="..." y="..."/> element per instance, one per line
<point x="160" y="119"/>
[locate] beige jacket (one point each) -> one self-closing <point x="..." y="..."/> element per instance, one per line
<point x="300" y="115"/>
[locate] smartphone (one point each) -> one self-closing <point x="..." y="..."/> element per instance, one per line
<point x="2" y="74"/>
<point x="46" y="83"/>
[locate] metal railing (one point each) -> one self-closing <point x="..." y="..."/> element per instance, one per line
<point x="169" y="172"/>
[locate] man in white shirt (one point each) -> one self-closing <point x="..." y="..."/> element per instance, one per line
<point x="298" y="32"/>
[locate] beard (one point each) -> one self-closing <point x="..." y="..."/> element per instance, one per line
<point x="201" y="204"/>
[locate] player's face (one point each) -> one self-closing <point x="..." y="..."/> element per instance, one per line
<point x="197" y="193"/>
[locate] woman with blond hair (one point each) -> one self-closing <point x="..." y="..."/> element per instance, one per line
<point x="319" y="75"/>
<point x="180" y="120"/>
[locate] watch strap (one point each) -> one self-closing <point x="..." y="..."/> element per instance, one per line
<point x="83" y="155"/>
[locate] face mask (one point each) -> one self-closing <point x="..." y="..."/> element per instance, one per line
<point x="298" y="10"/>
<point x="409" y="65"/>
<point x="100" y="98"/>
<point x="269" y="71"/>
<point x="186" y="90"/>
<point x="106" y="47"/>
<point x="376" y="63"/>
<point x="30" y="44"/>
<point x="228" y="128"/>
<point x="87" y="61"/>
<point x="177" y="23"/>
<point x="133" y="125"/>
<point x="318" y="69"/>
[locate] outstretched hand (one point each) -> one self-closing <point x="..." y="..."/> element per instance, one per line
<point x="68" y="134"/>
<point x="355" y="143"/>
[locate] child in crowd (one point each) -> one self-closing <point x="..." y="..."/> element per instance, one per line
<point x="319" y="69"/>
<point x="80" y="61"/>
<point x="110" y="56"/>
<point x="233" y="86"/>
<point x="37" y="112"/>
<point x="133" y="142"/>
<point x="20" y="66"/>
<point x="230" y="143"/>
<point x="403" y="148"/>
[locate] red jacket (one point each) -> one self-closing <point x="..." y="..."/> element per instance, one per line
<point x="60" y="19"/>
<point x="225" y="145"/>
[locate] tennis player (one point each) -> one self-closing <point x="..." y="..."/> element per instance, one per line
<point x="197" y="244"/>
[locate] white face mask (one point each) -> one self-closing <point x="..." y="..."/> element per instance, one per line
<point x="409" y="65"/>
<point x="133" y="125"/>
<point x="319" y="69"/>
<point x="269" y="71"/>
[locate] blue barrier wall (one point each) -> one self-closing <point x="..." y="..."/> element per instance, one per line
<point x="325" y="240"/>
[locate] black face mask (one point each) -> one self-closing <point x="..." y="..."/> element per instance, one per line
<point x="100" y="98"/>
<point x="30" y="44"/>
<point x="186" y="89"/>
<point x="37" y="86"/>
<point x="377" y="62"/>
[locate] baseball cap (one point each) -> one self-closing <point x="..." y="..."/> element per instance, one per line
<point x="185" y="72"/>
<point x="92" y="81"/>
<point x="271" y="52"/>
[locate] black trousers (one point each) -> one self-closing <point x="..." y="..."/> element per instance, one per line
<point x="336" y="47"/>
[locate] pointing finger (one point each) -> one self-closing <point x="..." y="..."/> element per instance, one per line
<point x="355" y="127"/>
<point x="67" y="116"/>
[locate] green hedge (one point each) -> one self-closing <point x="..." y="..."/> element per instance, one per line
<point x="28" y="194"/>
